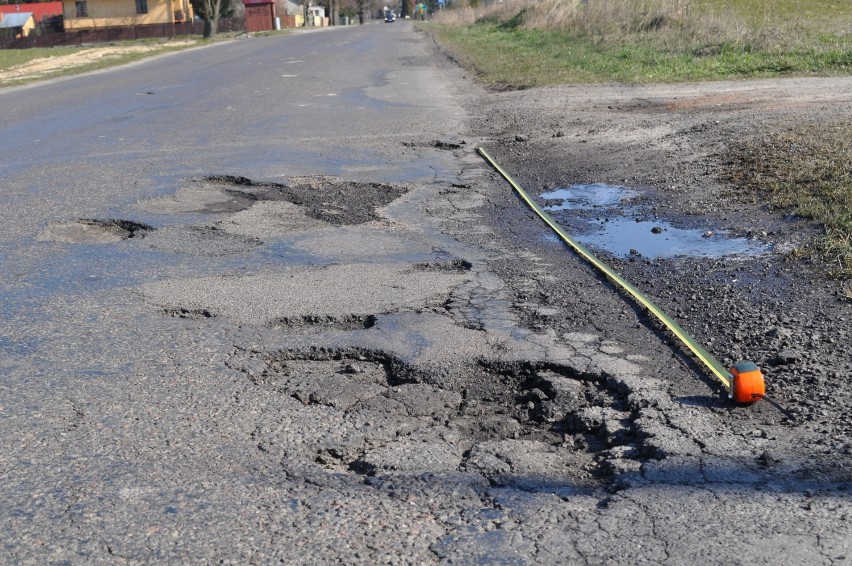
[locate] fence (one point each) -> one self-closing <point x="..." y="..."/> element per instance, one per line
<point x="117" y="33"/>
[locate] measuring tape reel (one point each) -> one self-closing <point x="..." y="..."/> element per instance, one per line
<point x="747" y="385"/>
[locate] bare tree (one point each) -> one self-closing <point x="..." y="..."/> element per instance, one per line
<point x="210" y="10"/>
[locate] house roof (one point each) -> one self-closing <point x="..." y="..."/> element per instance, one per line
<point x="16" y="20"/>
<point x="39" y="10"/>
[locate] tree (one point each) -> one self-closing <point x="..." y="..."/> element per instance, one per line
<point x="210" y="14"/>
<point x="210" y="11"/>
<point x="333" y="11"/>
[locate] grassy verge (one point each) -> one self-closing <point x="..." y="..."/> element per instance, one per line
<point x="524" y="58"/>
<point x="807" y="171"/>
<point x="557" y="41"/>
<point x="20" y="66"/>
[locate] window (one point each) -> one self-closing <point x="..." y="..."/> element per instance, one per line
<point x="141" y="6"/>
<point x="82" y="9"/>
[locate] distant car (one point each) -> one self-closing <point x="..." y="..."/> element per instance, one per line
<point x="390" y="17"/>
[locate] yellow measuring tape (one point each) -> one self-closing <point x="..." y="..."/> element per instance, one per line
<point x="715" y="367"/>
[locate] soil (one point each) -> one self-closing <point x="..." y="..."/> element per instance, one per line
<point x="48" y="66"/>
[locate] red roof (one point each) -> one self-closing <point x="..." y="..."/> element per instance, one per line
<point x="39" y="9"/>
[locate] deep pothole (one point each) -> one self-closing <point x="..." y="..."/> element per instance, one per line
<point x="520" y="424"/>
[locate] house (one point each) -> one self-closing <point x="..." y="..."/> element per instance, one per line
<point x="89" y="14"/>
<point x="316" y="16"/>
<point x="40" y="10"/>
<point x="48" y="15"/>
<point x="17" y="24"/>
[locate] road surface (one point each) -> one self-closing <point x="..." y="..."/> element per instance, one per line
<point x="263" y="303"/>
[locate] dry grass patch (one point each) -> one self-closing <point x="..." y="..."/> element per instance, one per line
<point x="806" y="170"/>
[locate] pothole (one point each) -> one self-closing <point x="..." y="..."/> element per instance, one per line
<point x="189" y="313"/>
<point x="335" y="383"/>
<point x="449" y="144"/>
<point x="334" y="201"/>
<point x="450" y="265"/>
<point x="93" y="231"/>
<point x="337" y="293"/>
<point x="200" y="198"/>
<point x="346" y="322"/>
<point x="531" y="426"/>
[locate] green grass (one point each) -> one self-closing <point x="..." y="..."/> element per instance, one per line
<point x="13" y="57"/>
<point x="554" y="41"/>
<point x="806" y="171"/>
<point x="523" y="58"/>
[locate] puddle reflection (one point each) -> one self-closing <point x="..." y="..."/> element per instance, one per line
<point x="618" y="231"/>
<point x="584" y="197"/>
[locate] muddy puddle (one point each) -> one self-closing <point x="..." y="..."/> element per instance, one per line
<point x="612" y="218"/>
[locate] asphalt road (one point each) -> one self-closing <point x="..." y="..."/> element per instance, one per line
<point x="262" y="303"/>
<point x="89" y="464"/>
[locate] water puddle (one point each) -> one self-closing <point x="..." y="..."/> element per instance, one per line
<point x="656" y="239"/>
<point x="609" y="218"/>
<point x="585" y="197"/>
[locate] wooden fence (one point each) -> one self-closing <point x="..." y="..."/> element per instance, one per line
<point x="117" y="33"/>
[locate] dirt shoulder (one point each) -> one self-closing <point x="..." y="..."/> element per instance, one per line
<point x="673" y="144"/>
<point x="83" y="60"/>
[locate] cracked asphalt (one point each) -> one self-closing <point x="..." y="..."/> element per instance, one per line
<point x="262" y="302"/>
